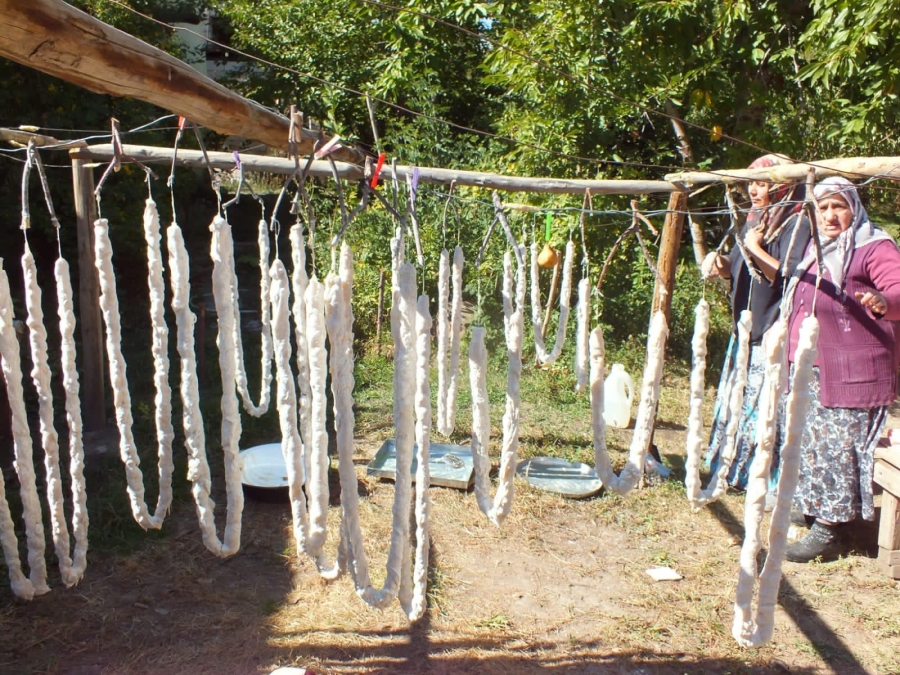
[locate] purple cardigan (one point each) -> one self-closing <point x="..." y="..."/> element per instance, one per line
<point x="859" y="354"/>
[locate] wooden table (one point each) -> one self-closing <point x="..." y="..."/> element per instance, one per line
<point x="887" y="475"/>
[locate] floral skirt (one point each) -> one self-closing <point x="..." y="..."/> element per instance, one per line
<point x="745" y="439"/>
<point x="837" y="458"/>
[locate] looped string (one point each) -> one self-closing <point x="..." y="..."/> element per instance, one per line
<point x="500" y="215"/>
<point x="116" y="162"/>
<point x="214" y="181"/>
<point x="413" y="182"/>
<point x="170" y="182"/>
<point x="735" y="229"/>
<point x="588" y="204"/>
<point x="26" y="173"/>
<point x="449" y="196"/>
<point x="239" y="167"/>
<point x="45" y="186"/>
<point x="814" y="212"/>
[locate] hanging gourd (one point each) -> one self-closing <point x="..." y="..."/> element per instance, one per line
<point x="548" y="257"/>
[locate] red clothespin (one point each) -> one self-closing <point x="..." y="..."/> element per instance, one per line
<point x="378" y="167"/>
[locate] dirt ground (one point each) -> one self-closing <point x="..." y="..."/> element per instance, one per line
<point x="561" y="588"/>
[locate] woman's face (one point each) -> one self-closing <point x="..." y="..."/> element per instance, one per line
<point x="834" y="215"/>
<point x="759" y="193"/>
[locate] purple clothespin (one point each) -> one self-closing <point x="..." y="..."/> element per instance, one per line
<point x="414" y="186"/>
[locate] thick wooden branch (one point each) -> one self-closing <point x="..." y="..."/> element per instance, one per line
<point x="282" y="165"/>
<point x="851" y="167"/>
<point x="21" y="138"/>
<point x="55" y="38"/>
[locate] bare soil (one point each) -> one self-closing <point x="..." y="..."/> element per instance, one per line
<point x="561" y="588"/>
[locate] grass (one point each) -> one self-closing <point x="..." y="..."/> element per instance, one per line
<point x="561" y="587"/>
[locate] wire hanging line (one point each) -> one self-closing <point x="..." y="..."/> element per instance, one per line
<point x="324" y="311"/>
<point x="24" y="133"/>
<point x="399" y="108"/>
<point x="681" y="176"/>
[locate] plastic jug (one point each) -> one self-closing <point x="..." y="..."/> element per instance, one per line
<point x="618" y="392"/>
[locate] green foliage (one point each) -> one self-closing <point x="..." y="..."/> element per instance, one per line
<point x="578" y="85"/>
<point x="852" y="53"/>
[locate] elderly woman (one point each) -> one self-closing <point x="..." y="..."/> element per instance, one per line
<point x="772" y="240"/>
<point x="855" y="374"/>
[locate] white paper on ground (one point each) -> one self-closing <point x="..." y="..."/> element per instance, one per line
<point x="663" y="574"/>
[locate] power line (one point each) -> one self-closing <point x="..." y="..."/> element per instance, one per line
<point x="499" y="45"/>
<point x="397" y="106"/>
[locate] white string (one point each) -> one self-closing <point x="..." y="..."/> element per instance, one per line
<point x="222" y="254"/>
<point x="109" y="305"/>
<point x="36" y="582"/>
<point x="299" y="283"/>
<point x="448" y="332"/>
<point x="748" y="630"/>
<point x="695" y="418"/>
<point x="583" y="335"/>
<point x="564" y="299"/>
<point x="398" y="572"/>
<point x="40" y="375"/>
<point x="416" y="605"/>
<point x="266" y="350"/>
<point x="643" y="426"/>
<point x="497" y="509"/>
<point x="192" y="419"/>
<point x="718" y="483"/>
<point x="72" y="570"/>
<point x="309" y="533"/>
<point x="319" y="305"/>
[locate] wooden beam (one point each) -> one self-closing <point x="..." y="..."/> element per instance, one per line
<point x="55" y="38"/>
<point x="21" y="138"/>
<point x="283" y="165"/>
<point x="851" y="167"/>
<point x="667" y="263"/>
<point x="93" y="371"/>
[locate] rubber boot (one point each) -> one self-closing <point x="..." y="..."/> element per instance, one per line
<point x="821" y="542"/>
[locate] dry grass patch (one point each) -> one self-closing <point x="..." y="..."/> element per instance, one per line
<point x="561" y="588"/>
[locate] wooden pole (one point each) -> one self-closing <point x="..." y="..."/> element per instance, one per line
<point x="345" y="171"/>
<point x="554" y="286"/>
<point x="851" y="167"/>
<point x="93" y="371"/>
<point x="21" y="138"/>
<point x="667" y="262"/>
<point x="57" y="39"/>
<point x="666" y="266"/>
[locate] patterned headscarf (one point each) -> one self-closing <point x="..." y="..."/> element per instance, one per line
<point x="838" y="252"/>
<point x="785" y="199"/>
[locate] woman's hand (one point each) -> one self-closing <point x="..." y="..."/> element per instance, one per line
<point x="873" y="300"/>
<point x="716" y="265"/>
<point x="753" y="240"/>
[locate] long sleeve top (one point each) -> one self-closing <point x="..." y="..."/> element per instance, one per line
<point x="763" y="298"/>
<point x="859" y="352"/>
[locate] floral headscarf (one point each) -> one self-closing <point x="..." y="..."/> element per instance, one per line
<point x="785" y="199"/>
<point x="838" y="252"/>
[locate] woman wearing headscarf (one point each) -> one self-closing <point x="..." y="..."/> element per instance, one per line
<point x="768" y="248"/>
<point x="855" y="374"/>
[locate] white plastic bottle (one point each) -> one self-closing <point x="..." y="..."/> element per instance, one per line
<point x="618" y="392"/>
